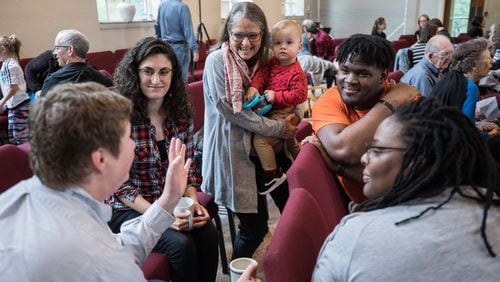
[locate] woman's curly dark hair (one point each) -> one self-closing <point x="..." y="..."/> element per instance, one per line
<point x="176" y="104"/>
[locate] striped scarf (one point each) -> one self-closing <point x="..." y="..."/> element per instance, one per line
<point x="237" y="76"/>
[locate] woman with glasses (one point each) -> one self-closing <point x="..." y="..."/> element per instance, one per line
<point x="151" y="76"/>
<point x="433" y="207"/>
<point x="423" y="21"/>
<point x="231" y="171"/>
<point x="471" y="61"/>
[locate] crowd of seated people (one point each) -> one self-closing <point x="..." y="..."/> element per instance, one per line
<point x="405" y="161"/>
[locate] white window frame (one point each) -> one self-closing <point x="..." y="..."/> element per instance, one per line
<point x="226" y="5"/>
<point x="293" y="8"/>
<point x="145" y="10"/>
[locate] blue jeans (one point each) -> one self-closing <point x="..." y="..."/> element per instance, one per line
<point x="183" y="54"/>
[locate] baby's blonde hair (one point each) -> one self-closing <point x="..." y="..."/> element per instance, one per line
<point x="284" y="24"/>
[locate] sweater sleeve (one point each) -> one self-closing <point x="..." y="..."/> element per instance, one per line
<point x="295" y="94"/>
<point x="469" y="105"/>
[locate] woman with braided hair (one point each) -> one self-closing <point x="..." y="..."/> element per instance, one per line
<point x="433" y="204"/>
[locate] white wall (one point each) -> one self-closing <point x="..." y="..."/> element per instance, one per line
<point x="37" y="23"/>
<point x="357" y="16"/>
<point x="493" y="9"/>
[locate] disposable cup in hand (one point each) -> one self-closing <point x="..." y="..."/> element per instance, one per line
<point x="238" y="266"/>
<point x="185" y="205"/>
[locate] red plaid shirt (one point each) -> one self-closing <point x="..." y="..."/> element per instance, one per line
<point x="147" y="174"/>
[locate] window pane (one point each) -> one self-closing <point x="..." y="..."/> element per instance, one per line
<point x="144" y="10"/>
<point x="293" y="8"/>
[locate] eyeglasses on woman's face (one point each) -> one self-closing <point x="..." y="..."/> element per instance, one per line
<point x="240" y="36"/>
<point x="379" y="150"/>
<point x="150" y="73"/>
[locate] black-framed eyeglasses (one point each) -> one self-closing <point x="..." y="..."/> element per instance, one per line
<point x="240" y="36"/>
<point x="149" y="72"/>
<point x="378" y="150"/>
<point x="60" y="46"/>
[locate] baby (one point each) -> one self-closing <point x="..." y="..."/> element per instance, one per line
<point x="284" y="85"/>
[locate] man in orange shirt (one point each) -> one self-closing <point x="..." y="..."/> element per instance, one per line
<point x="346" y="116"/>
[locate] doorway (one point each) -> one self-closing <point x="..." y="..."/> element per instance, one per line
<point x="459" y="12"/>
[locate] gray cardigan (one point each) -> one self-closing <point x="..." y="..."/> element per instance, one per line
<point x="228" y="173"/>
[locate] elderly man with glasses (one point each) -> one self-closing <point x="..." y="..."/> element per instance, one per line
<point x="429" y="70"/>
<point x="70" y="50"/>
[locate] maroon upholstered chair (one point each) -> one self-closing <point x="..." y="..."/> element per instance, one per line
<point x="156" y="266"/>
<point x="14" y="166"/>
<point x="462" y="37"/>
<point x="395" y="76"/>
<point x="195" y="91"/>
<point x="4" y="123"/>
<point x="399" y="44"/>
<point x="23" y="62"/>
<point x="338" y="42"/>
<point x="304" y="129"/>
<point x="119" y="54"/>
<point x="103" y="60"/>
<point x="411" y="38"/>
<point x="310" y="172"/>
<point x="197" y="70"/>
<point x="295" y="245"/>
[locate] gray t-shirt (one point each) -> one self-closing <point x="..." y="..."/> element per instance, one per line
<point x="441" y="245"/>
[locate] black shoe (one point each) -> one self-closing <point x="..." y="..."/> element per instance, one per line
<point x="273" y="182"/>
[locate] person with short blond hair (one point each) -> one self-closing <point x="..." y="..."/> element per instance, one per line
<point x="54" y="225"/>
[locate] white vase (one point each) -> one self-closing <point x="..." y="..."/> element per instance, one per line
<point x="126" y="11"/>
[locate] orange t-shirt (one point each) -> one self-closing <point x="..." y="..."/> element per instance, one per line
<point x="331" y="109"/>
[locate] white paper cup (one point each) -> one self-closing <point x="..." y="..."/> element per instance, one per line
<point x="238" y="266"/>
<point x="185" y="205"/>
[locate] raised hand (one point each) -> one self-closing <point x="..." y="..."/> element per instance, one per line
<point x="176" y="178"/>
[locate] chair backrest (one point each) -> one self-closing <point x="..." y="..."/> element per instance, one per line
<point x="399" y="44"/>
<point x="119" y="54"/>
<point x="23" y="62"/>
<point x="14" y="166"/>
<point x="411" y="38"/>
<point x="462" y="37"/>
<point x="195" y="91"/>
<point x="310" y="172"/>
<point x="294" y="247"/>
<point x="103" y="60"/>
<point x="395" y="76"/>
<point x="304" y="129"/>
<point x="338" y="42"/>
<point x="156" y="266"/>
